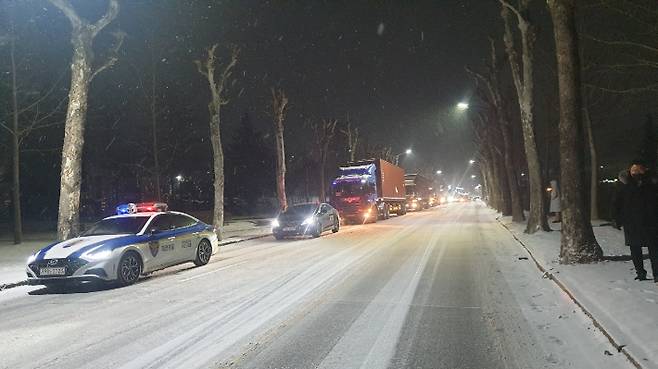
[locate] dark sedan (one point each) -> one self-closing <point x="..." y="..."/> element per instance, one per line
<point x="306" y="219"/>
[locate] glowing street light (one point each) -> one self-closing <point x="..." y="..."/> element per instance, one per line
<point x="397" y="157"/>
<point x="439" y="172"/>
<point x="472" y="176"/>
<point x="471" y="162"/>
<point x="461" y="106"/>
<point x="179" y="178"/>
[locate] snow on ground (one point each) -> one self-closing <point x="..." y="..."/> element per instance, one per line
<point x="627" y="309"/>
<point x="13" y="257"/>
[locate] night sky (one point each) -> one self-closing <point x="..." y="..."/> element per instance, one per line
<point x="396" y="68"/>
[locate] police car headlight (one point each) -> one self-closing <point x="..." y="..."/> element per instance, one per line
<point x="31" y="258"/>
<point x="99" y="255"/>
<point x="309" y="220"/>
<point x="275" y="223"/>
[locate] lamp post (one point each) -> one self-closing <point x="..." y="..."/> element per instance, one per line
<point x="397" y="157"/>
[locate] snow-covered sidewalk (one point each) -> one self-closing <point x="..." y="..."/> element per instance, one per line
<point x="626" y="309"/>
<point x="13" y="257"/>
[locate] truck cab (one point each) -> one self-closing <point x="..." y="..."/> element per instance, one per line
<point x="367" y="190"/>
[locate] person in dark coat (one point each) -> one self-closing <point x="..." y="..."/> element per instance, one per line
<point x="636" y="211"/>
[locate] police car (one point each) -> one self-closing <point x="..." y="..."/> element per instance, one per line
<point x="140" y="239"/>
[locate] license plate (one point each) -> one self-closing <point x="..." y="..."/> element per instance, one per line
<point x="52" y="271"/>
<point x="288" y="229"/>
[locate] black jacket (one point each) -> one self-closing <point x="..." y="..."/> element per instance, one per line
<point x="636" y="209"/>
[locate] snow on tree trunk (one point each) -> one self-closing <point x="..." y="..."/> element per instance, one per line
<point x="578" y="244"/>
<point x="82" y="73"/>
<point x="218" y="170"/>
<point x="217" y="85"/>
<point x="71" y="170"/>
<point x="279" y="107"/>
<point x="524" y="83"/>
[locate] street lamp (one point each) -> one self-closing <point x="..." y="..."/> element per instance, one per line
<point x="473" y="176"/>
<point x="439" y="172"/>
<point x="179" y="178"/>
<point x="471" y="162"/>
<point x="397" y="157"/>
<point x="461" y="106"/>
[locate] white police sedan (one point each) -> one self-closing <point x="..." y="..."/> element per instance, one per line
<point x="123" y="247"/>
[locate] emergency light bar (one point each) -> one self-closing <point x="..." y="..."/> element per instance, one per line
<point x="142" y="207"/>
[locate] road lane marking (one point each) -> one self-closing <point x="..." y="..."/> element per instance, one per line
<point x="213" y="271"/>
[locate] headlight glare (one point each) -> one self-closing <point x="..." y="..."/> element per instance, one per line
<point x="275" y="223"/>
<point x="309" y="220"/>
<point x="99" y="255"/>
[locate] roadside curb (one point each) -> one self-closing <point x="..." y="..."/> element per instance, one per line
<point x="243" y="239"/>
<point x="621" y="348"/>
<point x="7" y="286"/>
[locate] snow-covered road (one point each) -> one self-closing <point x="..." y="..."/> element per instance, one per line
<point x="445" y="288"/>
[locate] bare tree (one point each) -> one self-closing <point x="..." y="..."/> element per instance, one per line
<point x="352" y="135"/>
<point x="218" y="91"/>
<point x="492" y="86"/>
<point x="578" y="244"/>
<point x="279" y="107"/>
<point x="324" y="133"/>
<point x="523" y="81"/>
<point x="83" y="71"/>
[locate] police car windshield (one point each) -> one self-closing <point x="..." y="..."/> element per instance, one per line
<point x="123" y="225"/>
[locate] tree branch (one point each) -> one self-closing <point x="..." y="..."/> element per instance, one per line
<point x="513" y="9"/>
<point x="113" y="55"/>
<point x="623" y="43"/>
<point x="107" y="18"/>
<point x="65" y="7"/>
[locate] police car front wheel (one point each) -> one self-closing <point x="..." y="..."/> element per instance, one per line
<point x="130" y="268"/>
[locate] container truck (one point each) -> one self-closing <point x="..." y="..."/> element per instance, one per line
<point x="418" y="192"/>
<point x="367" y="190"/>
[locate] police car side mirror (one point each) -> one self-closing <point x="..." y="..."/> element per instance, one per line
<point x="153" y="231"/>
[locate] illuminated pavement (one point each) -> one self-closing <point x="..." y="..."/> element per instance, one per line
<point x="444" y="288"/>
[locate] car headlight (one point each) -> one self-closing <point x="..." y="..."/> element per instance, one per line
<point x="99" y="255"/>
<point x="32" y="258"/>
<point x="275" y="223"/>
<point x="309" y="220"/>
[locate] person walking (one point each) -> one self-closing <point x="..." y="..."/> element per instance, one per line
<point x="637" y="212"/>
<point x="555" y="207"/>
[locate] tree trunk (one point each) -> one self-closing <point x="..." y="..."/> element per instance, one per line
<point x="16" y="183"/>
<point x="323" y="175"/>
<point x="578" y="244"/>
<point x="594" y="167"/>
<point x="68" y="221"/>
<point x="218" y="170"/>
<point x="82" y="37"/>
<point x="154" y="129"/>
<point x="280" y="166"/>
<point x="512" y="179"/>
<point x="506" y="200"/>
<point x="524" y="83"/>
